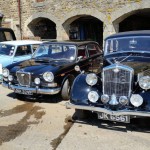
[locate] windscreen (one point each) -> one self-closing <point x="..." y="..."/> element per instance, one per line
<point x="138" y="43"/>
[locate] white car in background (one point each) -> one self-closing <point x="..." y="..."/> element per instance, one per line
<point x="16" y="51"/>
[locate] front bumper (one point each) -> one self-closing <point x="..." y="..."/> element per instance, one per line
<point x="33" y="90"/>
<point x="117" y="113"/>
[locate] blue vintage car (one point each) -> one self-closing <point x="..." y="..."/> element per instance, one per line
<point x="15" y="51"/>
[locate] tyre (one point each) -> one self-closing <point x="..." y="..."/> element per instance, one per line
<point x="65" y="92"/>
<point x="19" y="96"/>
<point x="81" y="114"/>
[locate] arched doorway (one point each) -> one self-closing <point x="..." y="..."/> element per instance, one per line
<point x="43" y="28"/>
<point x="138" y="20"/>
<point x="85" y="27"/>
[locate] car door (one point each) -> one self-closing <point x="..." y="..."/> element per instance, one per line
<point x="22" y="53"/>
<point x="82" y="57"/>
<point x="95" y="55"/>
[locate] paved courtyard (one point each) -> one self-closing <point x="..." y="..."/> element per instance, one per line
<point x="45" y="124"/>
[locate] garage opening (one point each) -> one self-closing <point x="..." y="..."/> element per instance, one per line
<point x="140" y="20"/>
<point x="43" y="28"/>
<point x="87" y="28"/>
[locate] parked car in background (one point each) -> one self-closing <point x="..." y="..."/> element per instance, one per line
<point x="15" y="51"/>
<point x="51" y="69"/>
<point x="122" y="90"/>
<point x="7" y="34"/>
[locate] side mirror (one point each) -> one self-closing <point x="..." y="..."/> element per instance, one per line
<point x="79" y="58"/>
<point x="77" y="68"/>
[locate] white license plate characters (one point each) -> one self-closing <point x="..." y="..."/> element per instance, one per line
<point x="119" y="118"/>
<point x="25" y="92"/>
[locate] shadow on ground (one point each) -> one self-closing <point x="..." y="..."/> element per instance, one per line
<point x="135" y="125"/>
<point x="40" y="98"/>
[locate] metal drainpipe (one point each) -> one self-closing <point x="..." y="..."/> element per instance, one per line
<point x="19" y="14"/>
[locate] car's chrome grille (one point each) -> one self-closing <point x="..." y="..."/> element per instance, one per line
<point x="117" y="79"/>
<point x="23" y="78"/>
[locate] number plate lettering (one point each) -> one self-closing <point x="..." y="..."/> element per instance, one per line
<point x="120" y="118"/>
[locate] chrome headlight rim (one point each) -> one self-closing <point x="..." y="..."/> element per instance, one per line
<point x="37" y="81"/>
<point x="105" y="98"/>
<point x="91" y="79"/>
<point x="5" y="72"/>
<point x="123" y="100"/>
<point x="93" y="96"/>
<point x="136" y="100"/>
<point x="48" y="76"/>
<point x="144" y="82"/>
<point x="10" y="78"/>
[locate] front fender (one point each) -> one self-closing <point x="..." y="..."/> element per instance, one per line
<point x="80" y="90"/>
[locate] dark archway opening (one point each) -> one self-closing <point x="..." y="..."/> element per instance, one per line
<point x="140" y="20"/>
<point x="43" y="28"/>
<point x="87" y="28"/>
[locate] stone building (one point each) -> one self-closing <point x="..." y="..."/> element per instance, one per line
<point x="74" y="19"/>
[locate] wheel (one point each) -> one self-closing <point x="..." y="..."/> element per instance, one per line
<point x="65" y="92"/>
<point x="19" y="96"/>
<point x="81" y="114"/>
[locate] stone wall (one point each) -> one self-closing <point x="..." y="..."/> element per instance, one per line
<point x="62" y="12"/>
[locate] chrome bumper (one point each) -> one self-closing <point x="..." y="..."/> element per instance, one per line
<point x="33" y="90"/>
<point x="117" y="113"/>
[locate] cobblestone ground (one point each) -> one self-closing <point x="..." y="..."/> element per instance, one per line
<point x="45" y="124"/>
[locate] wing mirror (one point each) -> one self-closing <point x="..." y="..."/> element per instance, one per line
<point x="77" y="68"/>
<point x="79" y="58"/>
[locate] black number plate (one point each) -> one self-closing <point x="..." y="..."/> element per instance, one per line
<point x="25" y="92"/>
<point x="120" y="118"/>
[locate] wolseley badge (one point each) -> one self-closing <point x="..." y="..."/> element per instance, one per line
<point x="22" y="75"/>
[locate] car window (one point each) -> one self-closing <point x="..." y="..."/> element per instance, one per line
<point x="82" y="52"/>
<point x="56" y="51"/>
<point x="93" y="49"/>
<point x="35" y="46"/>
<point x="23" y="50"/>
<point x="7" y="49"/>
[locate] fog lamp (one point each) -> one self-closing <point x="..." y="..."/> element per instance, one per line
<point x="136" y="100"/>
<point x="105" y="98"/>
<point x="93" y="96"/>
<point x="37" y="81"/>
<point x="10" y="78"/>
<point x="123" y="100"/>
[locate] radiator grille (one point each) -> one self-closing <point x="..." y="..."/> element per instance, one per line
<point x="117" y="82"/>
<point x="23" y="78"/>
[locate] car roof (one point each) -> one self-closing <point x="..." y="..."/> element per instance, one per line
<point x="130" y="33"/>
<point x="78" y="43"/>
<point x="22" y="42"/>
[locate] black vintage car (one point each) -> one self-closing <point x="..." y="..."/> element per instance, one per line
<point x="122" y="90"/>
<point x="51" y="69"/>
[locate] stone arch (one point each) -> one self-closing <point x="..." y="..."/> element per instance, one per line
<point x="127" y="11"/>
<point x="26" y="30"/>
<point x="79" y="13"/>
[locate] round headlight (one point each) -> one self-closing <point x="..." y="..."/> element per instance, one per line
<point x="144" y="82"/>
<point x="123" y="100"/>
<point x="37" y="81"/>
<point x="5" y="72"/>
<point x="136" y="100"/>
<point x="93" y="96"/>
<point x="105" y="98"/>
<point x="48" y="76"/>
<point x="91" y="79"/>
<point x="10" y="77"/>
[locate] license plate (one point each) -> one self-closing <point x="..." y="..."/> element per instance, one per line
<point x="120" y="118"/>
<point x="25" y="92"/>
